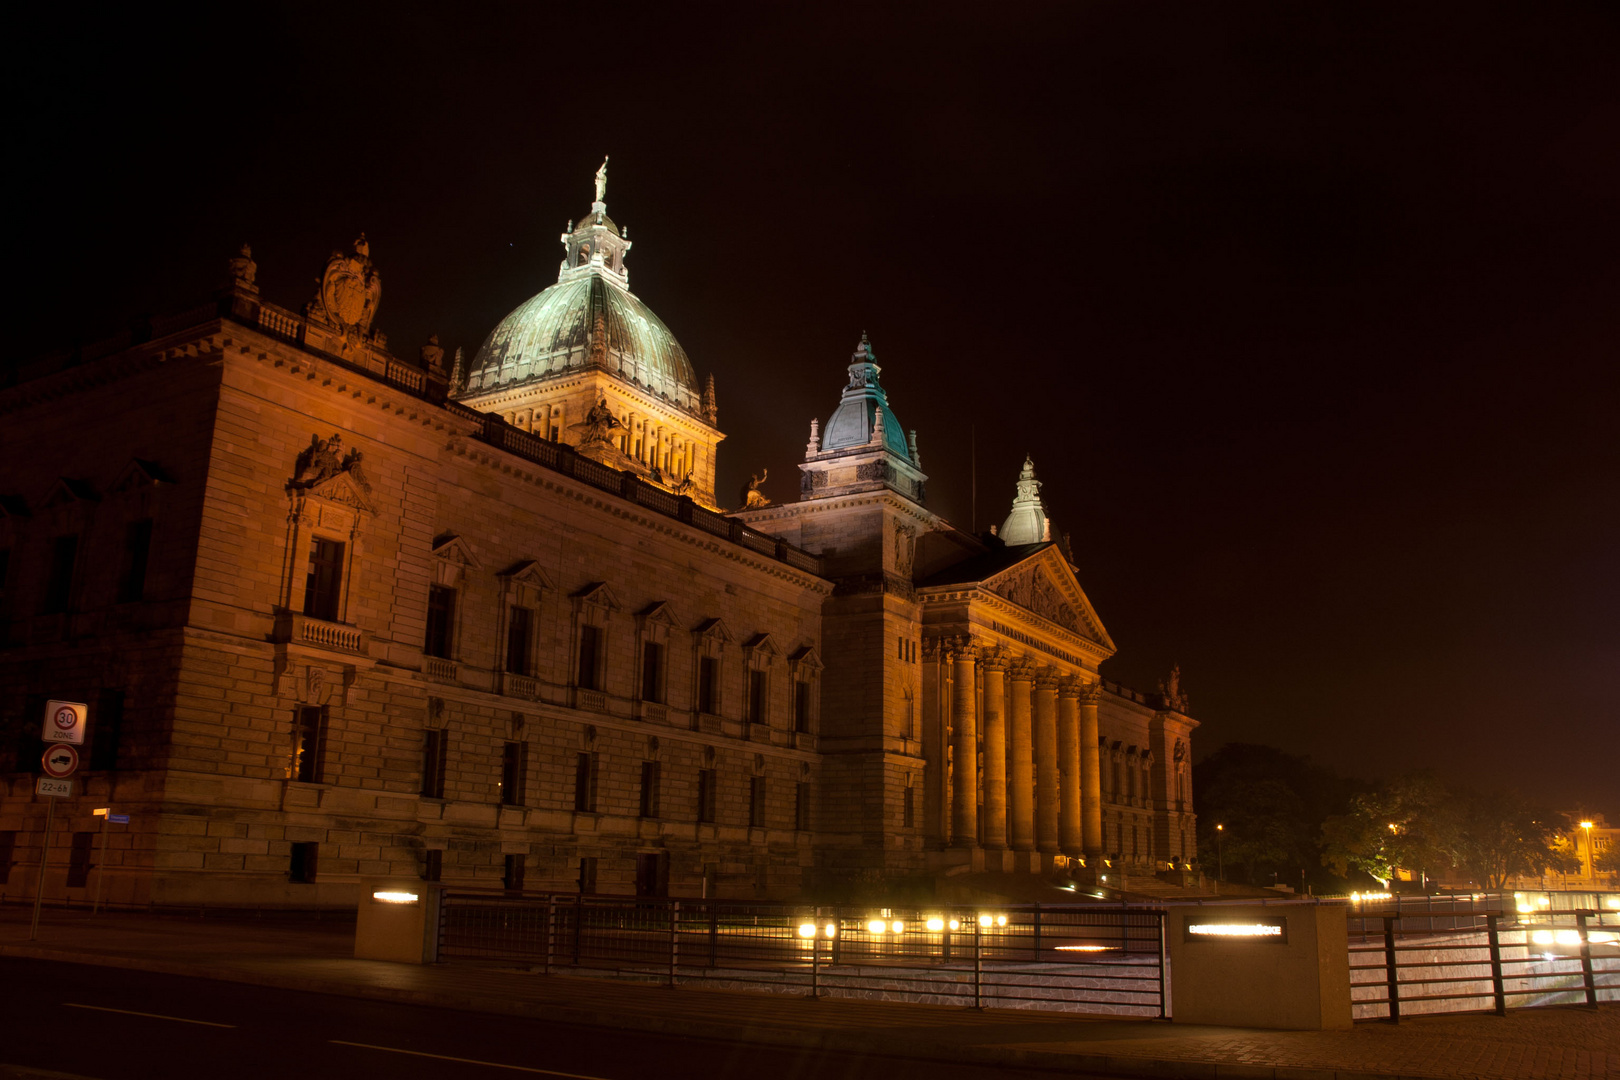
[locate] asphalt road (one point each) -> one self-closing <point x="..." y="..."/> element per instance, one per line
<point x="113" y="1024"/>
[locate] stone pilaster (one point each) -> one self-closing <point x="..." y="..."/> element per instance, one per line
<point x="1021" y="779"/>
<point x="994" y="672"/>
<point x="1069" y="830"/>
<point x="1091" y="776"/>
<point x="1046" y="763"/>
<point x="965" y="768"/>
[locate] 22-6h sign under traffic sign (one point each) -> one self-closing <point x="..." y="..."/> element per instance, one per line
<point x="64" y="722"/>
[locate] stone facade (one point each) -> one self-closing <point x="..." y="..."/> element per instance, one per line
<point x="333" y="623"/>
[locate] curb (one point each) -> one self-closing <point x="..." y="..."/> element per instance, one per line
<point x="1137" y="1068"/>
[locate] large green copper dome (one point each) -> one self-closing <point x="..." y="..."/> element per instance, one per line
<point x="589" y="319"/>
<point x="555" y="331"/>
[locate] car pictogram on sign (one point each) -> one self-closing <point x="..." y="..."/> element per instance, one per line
<point x="60" y="761"/>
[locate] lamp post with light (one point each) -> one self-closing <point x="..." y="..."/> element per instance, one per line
<point x="1220" y="859"/>
<point x="1591" y="856"/>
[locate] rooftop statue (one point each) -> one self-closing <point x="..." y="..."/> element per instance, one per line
<point x="244" y="269"/>
<point x="753" y="498"/>
<point x="601" y="182"/>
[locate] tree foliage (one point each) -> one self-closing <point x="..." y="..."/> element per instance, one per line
<point x="1419" y="824"/>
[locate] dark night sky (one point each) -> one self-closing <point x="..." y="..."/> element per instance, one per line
<point x="1307" y="313"/>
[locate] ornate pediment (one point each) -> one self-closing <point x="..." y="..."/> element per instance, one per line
<point x="528" y="573"/>
<point x="65" y="492"/>
<point x="325" y="471"/>
<point x="1045" y="585"/>
<point x="805" y="658"/>
<point x="656" y="614"/>
<point x="597" y="593"/>
<point x="452" y="557"/>
<point x="140" y="474"/>
<point x="714" y="630"/>
<point x="762" y="645"/>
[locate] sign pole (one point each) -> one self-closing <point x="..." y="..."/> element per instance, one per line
<point x="101" y="865"/>
<point x="44" y="854"/>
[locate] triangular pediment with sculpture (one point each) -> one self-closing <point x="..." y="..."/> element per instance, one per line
<point x="1044" y="584"/>
<point x="324" y="471"/>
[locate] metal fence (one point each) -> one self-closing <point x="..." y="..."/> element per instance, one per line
<point x="1457" y="955"/>
<point x="1076" y="958"/>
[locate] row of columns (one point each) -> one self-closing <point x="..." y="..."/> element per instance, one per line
<point x="1048" y="798"/>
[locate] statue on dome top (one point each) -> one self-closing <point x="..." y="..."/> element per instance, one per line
<point x="601" y="182"/>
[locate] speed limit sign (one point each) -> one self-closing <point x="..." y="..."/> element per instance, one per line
<point x="64" y="722"/>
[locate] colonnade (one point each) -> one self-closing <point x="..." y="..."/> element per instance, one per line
<point x="1045" y="796"/>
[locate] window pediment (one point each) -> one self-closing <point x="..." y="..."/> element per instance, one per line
<point x="66" y="492"/>
<point x="140" y="473"/>
<point x="714" y="630"/>
<point x="596" y="594"/>
<point x="805" y="660"/>
<point x="527" y="574"/>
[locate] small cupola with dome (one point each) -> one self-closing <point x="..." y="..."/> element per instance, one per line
<point x="863" y="447"/>
<point x="1027" y="523"/>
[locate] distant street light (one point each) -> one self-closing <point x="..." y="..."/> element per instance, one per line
<point x="1591" y="860"/>
<point x="1220" y="859"/>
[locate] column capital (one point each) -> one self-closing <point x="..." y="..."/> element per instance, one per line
<point x="1047" y="678"/>
<point x="1070" y="687"/>
<point x="962" y="647"/>
<point x="1022" y="669"/>
<point x="1092" y="694"/>
<point x="994" y="658"/>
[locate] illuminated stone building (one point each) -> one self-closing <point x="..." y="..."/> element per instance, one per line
<point x="338" y="614"/>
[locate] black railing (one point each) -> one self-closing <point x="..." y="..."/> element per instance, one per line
<point x="1474" y="960"/>
<point x="1075" y="958"/>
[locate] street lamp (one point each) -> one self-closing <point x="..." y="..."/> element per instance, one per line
<point x="1591" y="861"/>
<point x="1220" y="859"/>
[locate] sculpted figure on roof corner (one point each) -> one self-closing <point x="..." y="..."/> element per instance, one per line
<point x="601" y="182"/>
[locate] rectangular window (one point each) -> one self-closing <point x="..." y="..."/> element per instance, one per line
<point x="79" y="859"/>
<point x="512" y="878"/>
<point x="137" y="549"/>
<point x="649" y="789"/>
<point x="8" y="854"/>
<point x="908" y="810"/>
<point x="652" y="873"/>
<point x="323" y="584"/>
<point x="900" y="646"/>
<point x="301" y="867"/>
<point x="435" y="751"/>
<point x="801" y="807"/>
<point x="706" y="796"/>
<point x="585" y="783"/>
<point x="652" y="669"/>
<point x="105" y="723"/>
<point x="518" y="622"/>
<point x="708" y="677"/>
<point x="756" y="802"/>
<point x="801" y="707"/>
<point x="587" y="875"/>
<point x="514" y="768"/>
<point x="441" y="621"/>
<point x="589" y="643"/>
<point x="59" y="578"/>
<point x="756" y="697"/>
<point x="309" y="745"/>
<point x="432" y="865"/>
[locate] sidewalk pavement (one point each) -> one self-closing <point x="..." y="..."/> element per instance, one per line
<point x="1538" y="1044"/>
